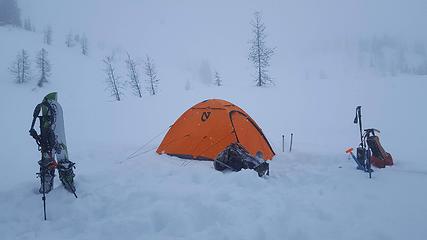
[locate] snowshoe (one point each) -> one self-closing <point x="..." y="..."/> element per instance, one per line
<point x="47" y="173"/>
<point x="46" y="179"/>
<point x="66" y="175"/>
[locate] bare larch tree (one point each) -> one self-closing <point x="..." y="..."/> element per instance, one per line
<point x="44" y="67"/>
<point x="152" y="79"/>
<point x="114" y="86"/>
<point x="77" y="37"/>
<point x="69" y="40"/>
<point x="133" y="75"/>
<point x="47" y="35"/>
<point x="21" y="68"/>
<point x="28" y="25"/>
<point x="217" y="79"/>
<point x="84" y="45"/>
<point x="259" y="53"/>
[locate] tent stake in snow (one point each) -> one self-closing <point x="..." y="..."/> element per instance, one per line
<point x="290" y="146"/>
<point x="283" y="143"/>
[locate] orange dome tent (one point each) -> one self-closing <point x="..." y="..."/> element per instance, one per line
<point x="207" y="128"/>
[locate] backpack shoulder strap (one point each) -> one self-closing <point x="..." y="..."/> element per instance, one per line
<point x="36" y="112"/>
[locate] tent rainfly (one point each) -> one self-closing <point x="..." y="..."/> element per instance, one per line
<point x="207" y="128"/>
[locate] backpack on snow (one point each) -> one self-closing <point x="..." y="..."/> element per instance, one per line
<point x="380" y="158"/>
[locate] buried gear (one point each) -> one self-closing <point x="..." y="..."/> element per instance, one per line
<point x="235" y="157"/>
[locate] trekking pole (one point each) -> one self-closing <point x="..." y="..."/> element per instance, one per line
<point x="44" y="200"/>
<point x="283" y="143"/>
<point x="369" y="163"/>
<point x="290" y="146"/>
<point x="41" y="175"/>
<point x="358" y="119"/>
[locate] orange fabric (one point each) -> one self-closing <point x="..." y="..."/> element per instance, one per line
<point x="207" y="128"/>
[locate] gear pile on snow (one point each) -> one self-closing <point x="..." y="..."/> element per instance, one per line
<point x="235" y="157"/>
<point x="51" y="143"/>
<point x="370" y="152"/>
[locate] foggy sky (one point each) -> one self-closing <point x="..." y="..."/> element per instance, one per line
<point x="307" y="17"/>
<point x="182" y="34"/>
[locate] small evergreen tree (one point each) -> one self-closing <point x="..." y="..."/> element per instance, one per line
<point x="217" y="79"/>
<point x="21" y="68"/>
<point x="113" y="83"/>
<point x="133" y="75"/>
<point x="43" y="64"/>
<point x="152" y="78"/>
<point x="259" y="53"/>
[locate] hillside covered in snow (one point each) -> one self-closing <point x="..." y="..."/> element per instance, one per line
<point x="321" y="72"/>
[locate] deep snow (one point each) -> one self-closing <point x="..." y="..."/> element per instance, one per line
<point x="312" y="193"/>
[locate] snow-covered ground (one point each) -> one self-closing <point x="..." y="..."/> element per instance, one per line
<point x="306" y="197"/>
<point x="315" y="192"/>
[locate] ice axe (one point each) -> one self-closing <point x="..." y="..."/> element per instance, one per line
<point x="359" y="164"/>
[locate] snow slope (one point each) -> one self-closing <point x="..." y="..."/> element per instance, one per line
<point x="312" y="193"/>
